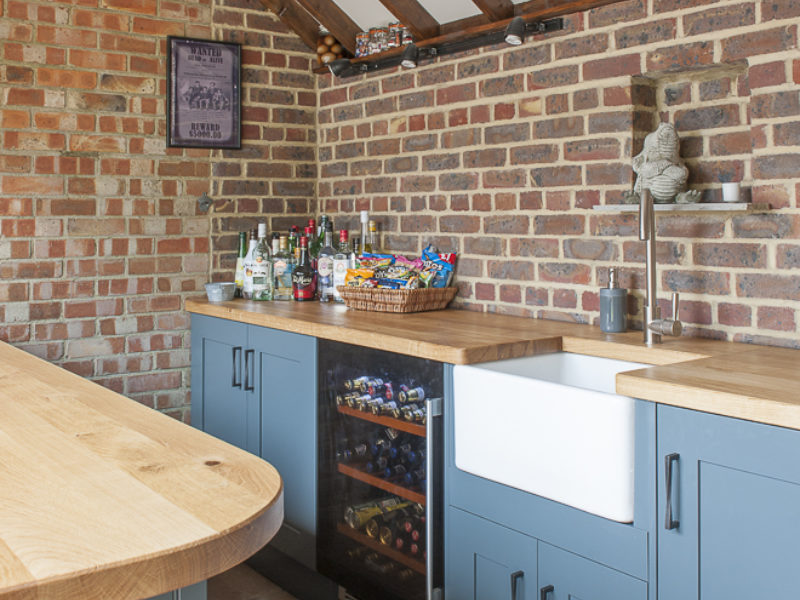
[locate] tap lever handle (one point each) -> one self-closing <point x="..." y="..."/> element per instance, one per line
<point x="675" y="305"/>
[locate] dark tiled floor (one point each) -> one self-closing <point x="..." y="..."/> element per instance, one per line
<point x="243" y="583"/>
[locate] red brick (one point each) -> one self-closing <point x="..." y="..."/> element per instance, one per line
<point x="755" y="43"/>
<point x="736" y="315"/>
<point x="604" y="68"/>
<point x="484" y="291"/>
<point x="455" y="93"/>
<point x="565" y="272"/>
<point x="779" y="319"/>
<point x="510" y="293"/>
<point x="730" y="255"/>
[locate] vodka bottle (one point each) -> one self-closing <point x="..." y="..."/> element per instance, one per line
<point x="249" y="264"/>
<point x="342" y="260"/>
<point x="262" y="267"/>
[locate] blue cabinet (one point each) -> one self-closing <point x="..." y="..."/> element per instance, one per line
<point x="483" y="560"/>
<point x="567" y="576"/>
<point x="487" y="561"/>
<point x="193" y="592"/>
<point x="729" y="524"/>
<point x="256" y="388"/>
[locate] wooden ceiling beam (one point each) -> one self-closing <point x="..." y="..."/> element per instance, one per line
<point x="335" y="20"/>
<point x="495" y="10"/>
<point x="414" y="16"/>
<point x="295" y="18"/>
<point x="533" y="10"/>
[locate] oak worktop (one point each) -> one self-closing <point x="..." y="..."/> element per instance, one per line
<point x="102" y="497"/>
<point x="745" y="381"/>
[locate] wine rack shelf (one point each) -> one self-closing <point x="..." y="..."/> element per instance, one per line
<point x="375" y="545"/>
<point x="387" y="486"/>
<point x="412" y="428"/>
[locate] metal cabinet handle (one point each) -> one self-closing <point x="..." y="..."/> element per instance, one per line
<point x="248" y="384"/>
<point x="669" y="460"/>
<point x="515" y="577"/>
<point x="236" y="369"/>
<point x="545" y="591"/>
<point x="433" y="408"/>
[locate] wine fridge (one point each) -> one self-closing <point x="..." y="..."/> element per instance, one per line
<point x="380" y="508"/>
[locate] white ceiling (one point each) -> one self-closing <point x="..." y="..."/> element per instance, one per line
<point x="371" y="13"/>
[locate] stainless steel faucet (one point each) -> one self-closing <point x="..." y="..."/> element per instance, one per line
<point x="654" y="326"/>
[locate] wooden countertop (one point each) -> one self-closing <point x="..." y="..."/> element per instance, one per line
<point x="101" y="497"/>
<point x="746" y="381"/>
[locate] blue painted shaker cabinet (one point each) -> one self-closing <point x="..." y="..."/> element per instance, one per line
<point x="256" y="388"/>
<point x="728" y="508"/>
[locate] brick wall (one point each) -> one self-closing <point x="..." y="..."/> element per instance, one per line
<point x="100" y="239"/>
<point x="500" y="154"/>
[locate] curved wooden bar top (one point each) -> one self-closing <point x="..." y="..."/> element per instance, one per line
<point x="745" y="381"/>
<point x="103" y="498"/>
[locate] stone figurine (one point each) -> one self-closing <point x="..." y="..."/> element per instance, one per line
<point x="658" y="166"/>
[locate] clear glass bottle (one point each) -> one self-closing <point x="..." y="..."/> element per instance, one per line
<point x="262" y="267"/>
<point x="282" y="268"/>
<point x="342" y="260"/>
<point x="325" y="265"/>
<point x="239" y="273"/>
<point x="372" y="241"/>
<point x="365" y="232"/>
<point x="249" y="264"/>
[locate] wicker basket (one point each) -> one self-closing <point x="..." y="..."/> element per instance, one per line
<point x="400" y="301"/>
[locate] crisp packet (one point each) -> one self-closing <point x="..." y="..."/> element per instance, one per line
<point x="354" y="277"/>
<point x="440" y="264"/>
<point x="415" y="264"/>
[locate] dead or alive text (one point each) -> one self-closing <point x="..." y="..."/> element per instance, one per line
<point x="205" y="130"/>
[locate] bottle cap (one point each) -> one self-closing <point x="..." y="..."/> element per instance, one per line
<point x="364" y="216"/>
<point x="612" y="279"/>
<point x="343" y="235"/>
<point x="303" y="241"/>
<point x="262" y="230"/>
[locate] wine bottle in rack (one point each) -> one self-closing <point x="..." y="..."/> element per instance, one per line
<point x="353" y="385"/>
<point x="415" y="478"/>
<point x="411" y="394"/>
<point x="378" y="465"/>
<point x="358" y="515"/>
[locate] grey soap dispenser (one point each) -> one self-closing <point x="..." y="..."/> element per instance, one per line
<point x="613" y="305"/>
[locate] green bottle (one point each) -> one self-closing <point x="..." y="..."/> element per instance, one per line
<point x="239" y="276"/>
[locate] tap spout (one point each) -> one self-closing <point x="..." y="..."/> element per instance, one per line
<point x="646" y="216"/>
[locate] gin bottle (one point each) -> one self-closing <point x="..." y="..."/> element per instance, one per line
<point x="342" y="260"/>
<point x="262" y="267"/>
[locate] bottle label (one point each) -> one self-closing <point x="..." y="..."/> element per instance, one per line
<point x="280" y="267"/>
<point x="303" y="285"/>
<point x="325" y="266"/>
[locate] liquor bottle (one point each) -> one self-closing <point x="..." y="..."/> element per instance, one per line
<point x="365" y="248"/>
<point x="239" y="276"/>
<point x="415" y="478"/>
<point x="342" y="260"/>
<point x="316" y="245"/>
<point x="389" y="408"/>
<point x="282" y="268"/>
<point x="303" y="275"/>
<point x="395" y="472"/>
<point x="356" y="250"/>
<point x="262" y="270"/>
<point x="415" y="415"/>
<point x="325" y="256"/>
<point x="372" y="240"/>
<point x="249" y="264"/>
<point x="294" y="237"/>
<point x="380" y="446"/>
<point x="373" y="385"/>
<point x="357" y="516"/>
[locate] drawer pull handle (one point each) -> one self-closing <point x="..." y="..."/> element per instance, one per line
<point x="543" y="593"/>
<point x="248" y="384"/>
<point x="515" y="577"/>
<point x="236" y="369"/>
<point x="669" y="460"/>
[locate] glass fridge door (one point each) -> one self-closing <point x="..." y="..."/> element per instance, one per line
<point x="380" y="472"/>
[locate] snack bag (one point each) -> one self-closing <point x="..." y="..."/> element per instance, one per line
<point x="438" y="266"/>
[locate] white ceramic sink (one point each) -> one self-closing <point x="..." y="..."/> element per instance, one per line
<point x="550" y="425"/>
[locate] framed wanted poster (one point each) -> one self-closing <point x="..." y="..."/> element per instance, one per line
<point x="203" y="94"/>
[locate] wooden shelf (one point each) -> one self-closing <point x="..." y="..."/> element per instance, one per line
<point x="406" y="426"/>
<point x="387" y="486"/>
<point x="745" y="207"/>
<point x="387" y="551"/>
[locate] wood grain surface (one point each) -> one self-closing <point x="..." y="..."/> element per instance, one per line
<point x="746" y="381"/>
<point x="102" y="497"/>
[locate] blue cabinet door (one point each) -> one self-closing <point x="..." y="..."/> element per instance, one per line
<point x="567" y="576"/>
<point x="482" y="559"/>
<point x="221" y="406"/>
<point x="286" y="385"/>
<point x="735" y="507"/>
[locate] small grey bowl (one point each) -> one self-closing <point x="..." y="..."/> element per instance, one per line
<point x="220" y="291"/>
